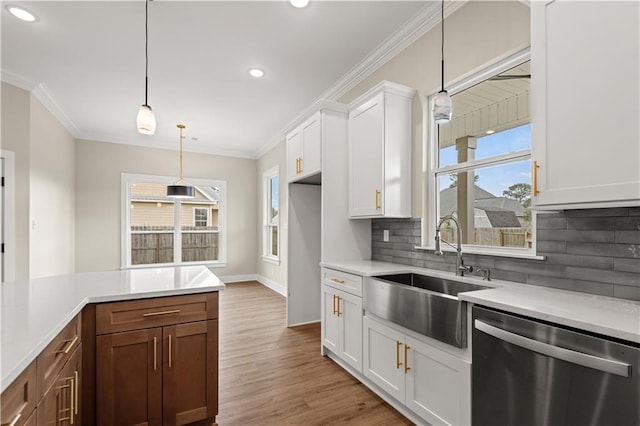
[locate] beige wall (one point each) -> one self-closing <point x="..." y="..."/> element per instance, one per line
<point x="275" y="156"/>
<point x="475" y="35"/>
<point x="44" y="187"/>
<point x="99" y="166"/>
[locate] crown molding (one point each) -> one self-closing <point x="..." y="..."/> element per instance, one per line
<point x="41" y="93"/>
<point x="407" y="34"/>
<point x="17" y="81"/>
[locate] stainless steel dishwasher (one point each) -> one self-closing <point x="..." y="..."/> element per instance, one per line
<point x="526" y="372"/>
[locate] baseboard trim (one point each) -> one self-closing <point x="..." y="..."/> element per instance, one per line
<point x="238" y="278"/>
<point x="273" y="285"/>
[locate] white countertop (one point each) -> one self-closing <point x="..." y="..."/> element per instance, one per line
<point x="35" y="311"/>
<point x="619" y="318"/>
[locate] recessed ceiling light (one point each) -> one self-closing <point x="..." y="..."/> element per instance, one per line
<point x="490" y="132"/>
<point x="299" y="3"/>
<point x="20" y="13"/>
<point x="256" y="73"/>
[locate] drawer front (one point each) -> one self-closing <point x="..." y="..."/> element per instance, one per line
<point x="19" y="399"/>
<point x="56" y="354"/>
<point x="343" y="281"/>
<point x="132" y="315"/>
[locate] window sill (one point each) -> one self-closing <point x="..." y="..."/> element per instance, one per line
<point x="272" y="260"/>
<point x="488" y="252"/>
<point x="168" y="265"/>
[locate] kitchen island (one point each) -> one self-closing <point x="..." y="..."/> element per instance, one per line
<point x="61" y="312"/>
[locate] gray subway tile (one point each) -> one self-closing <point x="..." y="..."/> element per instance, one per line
<point x="626" y="292"/>
<point x="631" y="223"/>
<point x="599" y="249"/>
<point x="402" y="260"/>
<point x="382" y="258"/>
<point x="627" y="237"/>
<point x="597" y="262"/>
<point x="551" y="247"/>
<point x="627" y="265"/>
<point x="535" y="267"/>
<point x="592" y="223"/>
<point x="576" y="235"/>
<point x="612" y="277"/>
<point x="610" y="212"/>
<point x="551" y="223"/>
<point x="634" y="211"/>
<point x="498" y="274"/>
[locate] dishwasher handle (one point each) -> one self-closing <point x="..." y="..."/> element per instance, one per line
<point x="586" y="360"/>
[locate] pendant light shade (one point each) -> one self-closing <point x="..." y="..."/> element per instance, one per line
<point x="146" y="120"/>
<point x="442" y="108"/>
<point x="180" y="189"/>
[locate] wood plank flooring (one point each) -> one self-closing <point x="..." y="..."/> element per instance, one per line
<point x="274" y="375"/>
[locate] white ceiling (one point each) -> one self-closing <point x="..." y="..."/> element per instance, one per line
<point x="85" y="61"/>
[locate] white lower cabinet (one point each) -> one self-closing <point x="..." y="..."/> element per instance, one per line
<point x="342" y="325"/>
<point x="432" y="383"/>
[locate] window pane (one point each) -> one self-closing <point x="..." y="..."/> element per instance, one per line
<point x="200" y="225"/>
<point x="489" y="119"/>
<point x="274" y="241"/>
<point x="273" y="215"/>
<point x="492" y="205"/>
<point x="152" y="224"/>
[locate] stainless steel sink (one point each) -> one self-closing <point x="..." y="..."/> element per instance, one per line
<point x="424" y="304"/>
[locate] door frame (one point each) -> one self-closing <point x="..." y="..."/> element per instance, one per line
<point x="8" y="211"/>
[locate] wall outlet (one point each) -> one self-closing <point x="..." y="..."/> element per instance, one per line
<point x="385" y="235"/>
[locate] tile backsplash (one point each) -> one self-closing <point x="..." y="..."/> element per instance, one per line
<point x="593" y="251"/>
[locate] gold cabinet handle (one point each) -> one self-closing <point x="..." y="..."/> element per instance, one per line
<point x="297" y="167"/>
<point x="169" y="351"/>
<point x="398" y="362"/>
<point x="76" y="376"/>
<point x="334" y="304"/>
<point x="71" y="396"/>
<point x="536" y="166"/>
<point x="406" y="364"/>
<point x="70" y="343"/>
<point x="337" y="280"/>
<point x="339" y="298"/>
<point x="378" y="199"/>
<point x="155" y="353"/>
<point x="153" y="314"/>
<point x="15" y="420"/>
<point x="300" y="165"/>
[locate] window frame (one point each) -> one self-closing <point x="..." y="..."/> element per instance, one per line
<point x="207" y="214"/>
<point x="430" y="214"/>
<point x="267" y="177"/>
<point x="125" y="231"/>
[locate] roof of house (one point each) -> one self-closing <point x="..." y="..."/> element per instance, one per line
<point x="502" y="218"/>
<point x="484" y="200"/>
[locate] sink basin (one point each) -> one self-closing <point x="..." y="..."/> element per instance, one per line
<point x="427" y="305"/>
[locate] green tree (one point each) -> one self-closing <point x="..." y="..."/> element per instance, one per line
<point x="522" y="193"/>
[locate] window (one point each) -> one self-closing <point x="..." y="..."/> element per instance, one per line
<point x="158" y="230"/>
<point x="480" y="168"/>
<point x="271" y="204"/>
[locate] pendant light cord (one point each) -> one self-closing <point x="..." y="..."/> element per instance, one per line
<point x="180" y="126"/>
<point x="146" y="52"/>
<point x="442" y="47"/>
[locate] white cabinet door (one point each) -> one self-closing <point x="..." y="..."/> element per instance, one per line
<point x="366" y="144"/>
<point x="350" y="309"/>
<point x="311" y="158"/>
<point x="585" y="103"/>
<point x="384" y="357"/>
<point x="438" y="386"/>
<point x="330" y="321"/>
<point x="294" y="154"/>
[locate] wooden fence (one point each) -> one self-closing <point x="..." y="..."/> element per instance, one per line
<point x="495" y="237"/>
<point x="154" y="244"/>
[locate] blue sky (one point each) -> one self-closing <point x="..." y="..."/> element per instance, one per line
<point x="496" y="179"/>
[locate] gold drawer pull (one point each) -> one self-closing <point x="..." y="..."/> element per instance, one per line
<point x="153" y="314"/>
<point x="536" y="166"/>
<point x="15" y="420"/>
<point x="155" y="353"/>
<point x="337" y="280"/>
<point x="378" y="199"/>
<point x="75" y="375"/>
<point x="334" y="304"/>
<point x="406" y="363"/>
<point x="70" y="344"/>
<point x="339" y="299"/>
<point x="169" y="351"/>
<point x="398" y="362"/>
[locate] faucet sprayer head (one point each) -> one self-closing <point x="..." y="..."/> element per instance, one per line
<point x="438" y="251"/>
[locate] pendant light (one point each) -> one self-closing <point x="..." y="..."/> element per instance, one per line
<point x="146" y="120"/>
<point x="180" y="189"/>
<point x="442" y="109"/>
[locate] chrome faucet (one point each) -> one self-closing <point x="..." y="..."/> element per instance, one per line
<point x="460" y="268"/>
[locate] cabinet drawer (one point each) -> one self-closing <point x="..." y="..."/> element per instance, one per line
<point x="19" y="399"/>
<point x="343" y="281"/>
<point x="56" y="354"/>
<point x="139" y="314"/>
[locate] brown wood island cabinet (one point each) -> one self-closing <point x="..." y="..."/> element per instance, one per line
<point x="156" y="361"/>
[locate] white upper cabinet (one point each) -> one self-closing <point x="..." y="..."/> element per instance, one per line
<point x="380" y="152"/>
<point x="585" y="104"/>
<point x="304" y="149"/>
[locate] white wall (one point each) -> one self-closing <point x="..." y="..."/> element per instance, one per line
<point x="270" y="274"/>
<point x="99" y="166"/>
<point x="475" y="35"/>
<point x="52" y="195"/>
<point x="44" y="186"/>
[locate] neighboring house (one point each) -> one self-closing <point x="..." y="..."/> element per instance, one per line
<point x="151" y="207"/>
<point x="489" y="211"/>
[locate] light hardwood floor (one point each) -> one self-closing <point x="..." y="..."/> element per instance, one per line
<point x="274" y="375"/>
